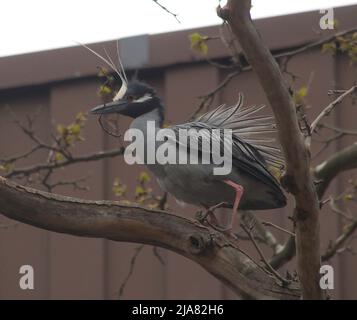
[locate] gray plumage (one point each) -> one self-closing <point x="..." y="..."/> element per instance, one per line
<point x="195" y="183"/>
<point x="249" y="185"/>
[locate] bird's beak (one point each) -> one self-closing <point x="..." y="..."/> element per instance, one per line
<point x="111" y="107"/>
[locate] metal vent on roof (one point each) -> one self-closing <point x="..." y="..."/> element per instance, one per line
<point x="134" y="51"/>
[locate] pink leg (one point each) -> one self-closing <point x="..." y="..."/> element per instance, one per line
<point x="239" y="192"/>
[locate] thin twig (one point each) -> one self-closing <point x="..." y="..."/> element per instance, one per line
<point x="157" y="254"/>
<point x="131" y="269"/>
<point x="270" y="224"/>
<point x="326" y="111"/>
<point x="167" y="10"/>
<point x="337" y="129"/>
<point x="348" y="231"/>
<point x="21" y="156"/>
<point x="115" y="135"/>
<point x="268" y="237"/>
<point x="51" y="166"/>
<point x="163" y="201"/>
<point x="326" y="143"/>
<point x="338" y="211"/>
<point x="261" y="254"/>
<point x="208" y="97"/>
<point x="286" y="54"/>
<point x="74" y="183"/>
<point x="314" y="44"/>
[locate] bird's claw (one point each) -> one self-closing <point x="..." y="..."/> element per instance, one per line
<point x="201" y="217"/>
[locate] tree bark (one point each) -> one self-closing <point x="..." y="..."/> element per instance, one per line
<point x="217" y="254"/>
<point x="325" y="172"/>
<point x="343" y="160"/>
<point x="298" y="179"/>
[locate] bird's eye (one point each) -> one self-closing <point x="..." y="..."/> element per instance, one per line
<point x="131" y="98"/>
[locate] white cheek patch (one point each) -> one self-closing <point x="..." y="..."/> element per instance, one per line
<point x="144" y="98"/>
<point x="121" y="92"/>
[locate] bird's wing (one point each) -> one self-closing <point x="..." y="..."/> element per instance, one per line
<point x="250" y="126"/>
<point x="245" y="157"/>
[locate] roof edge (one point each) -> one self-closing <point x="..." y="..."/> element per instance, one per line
<point x="159" y="50"/>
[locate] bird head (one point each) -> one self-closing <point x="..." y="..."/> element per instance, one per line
<point x="134" y="99"/>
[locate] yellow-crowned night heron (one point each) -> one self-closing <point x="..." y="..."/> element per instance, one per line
<point x="249" y="185"/>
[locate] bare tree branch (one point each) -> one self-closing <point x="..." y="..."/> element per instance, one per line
<point x="285" y="255"/>
<point x="20" y="156"/>
<point x="237" y="68"/>
<point x="311" y="45"/>
<point x="111" y="220"/>
<point x="167" y="10"/>
<point x="338" y="130"/>
<point x="261" y="254"/>
<point x="59" y="153"/>
<point x="325" y="112"/>
<point x="338" y="211"/>
<point x="76" y="184"/>
<point x="343" y="160"/>
<point x="158" y="256"/>
<point x="265" y="235"/>
<point x="298" y="179"/>
<point x="348" y="230"/>
<point x="270" y="224"/>
<point x="56" y="165"/>
<point x="131" y="269"/>
<point x="208" y="97"/>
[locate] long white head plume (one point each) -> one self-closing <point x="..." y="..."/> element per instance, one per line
<point x="121" y="92"/>
<point x="121" y="63"/>
<point x="118" y="70"/>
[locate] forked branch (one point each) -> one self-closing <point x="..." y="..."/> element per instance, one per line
<point x="298" y="179"/>
<point x="111" y="220"/>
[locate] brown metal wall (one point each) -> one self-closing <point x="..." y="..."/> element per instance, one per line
<point x="77" y="268"/>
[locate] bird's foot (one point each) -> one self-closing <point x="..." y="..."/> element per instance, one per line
<point x="202" y="216"/>
<point x="210" y="219"/>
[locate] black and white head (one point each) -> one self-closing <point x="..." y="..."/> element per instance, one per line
<point x="134" y="98"/>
